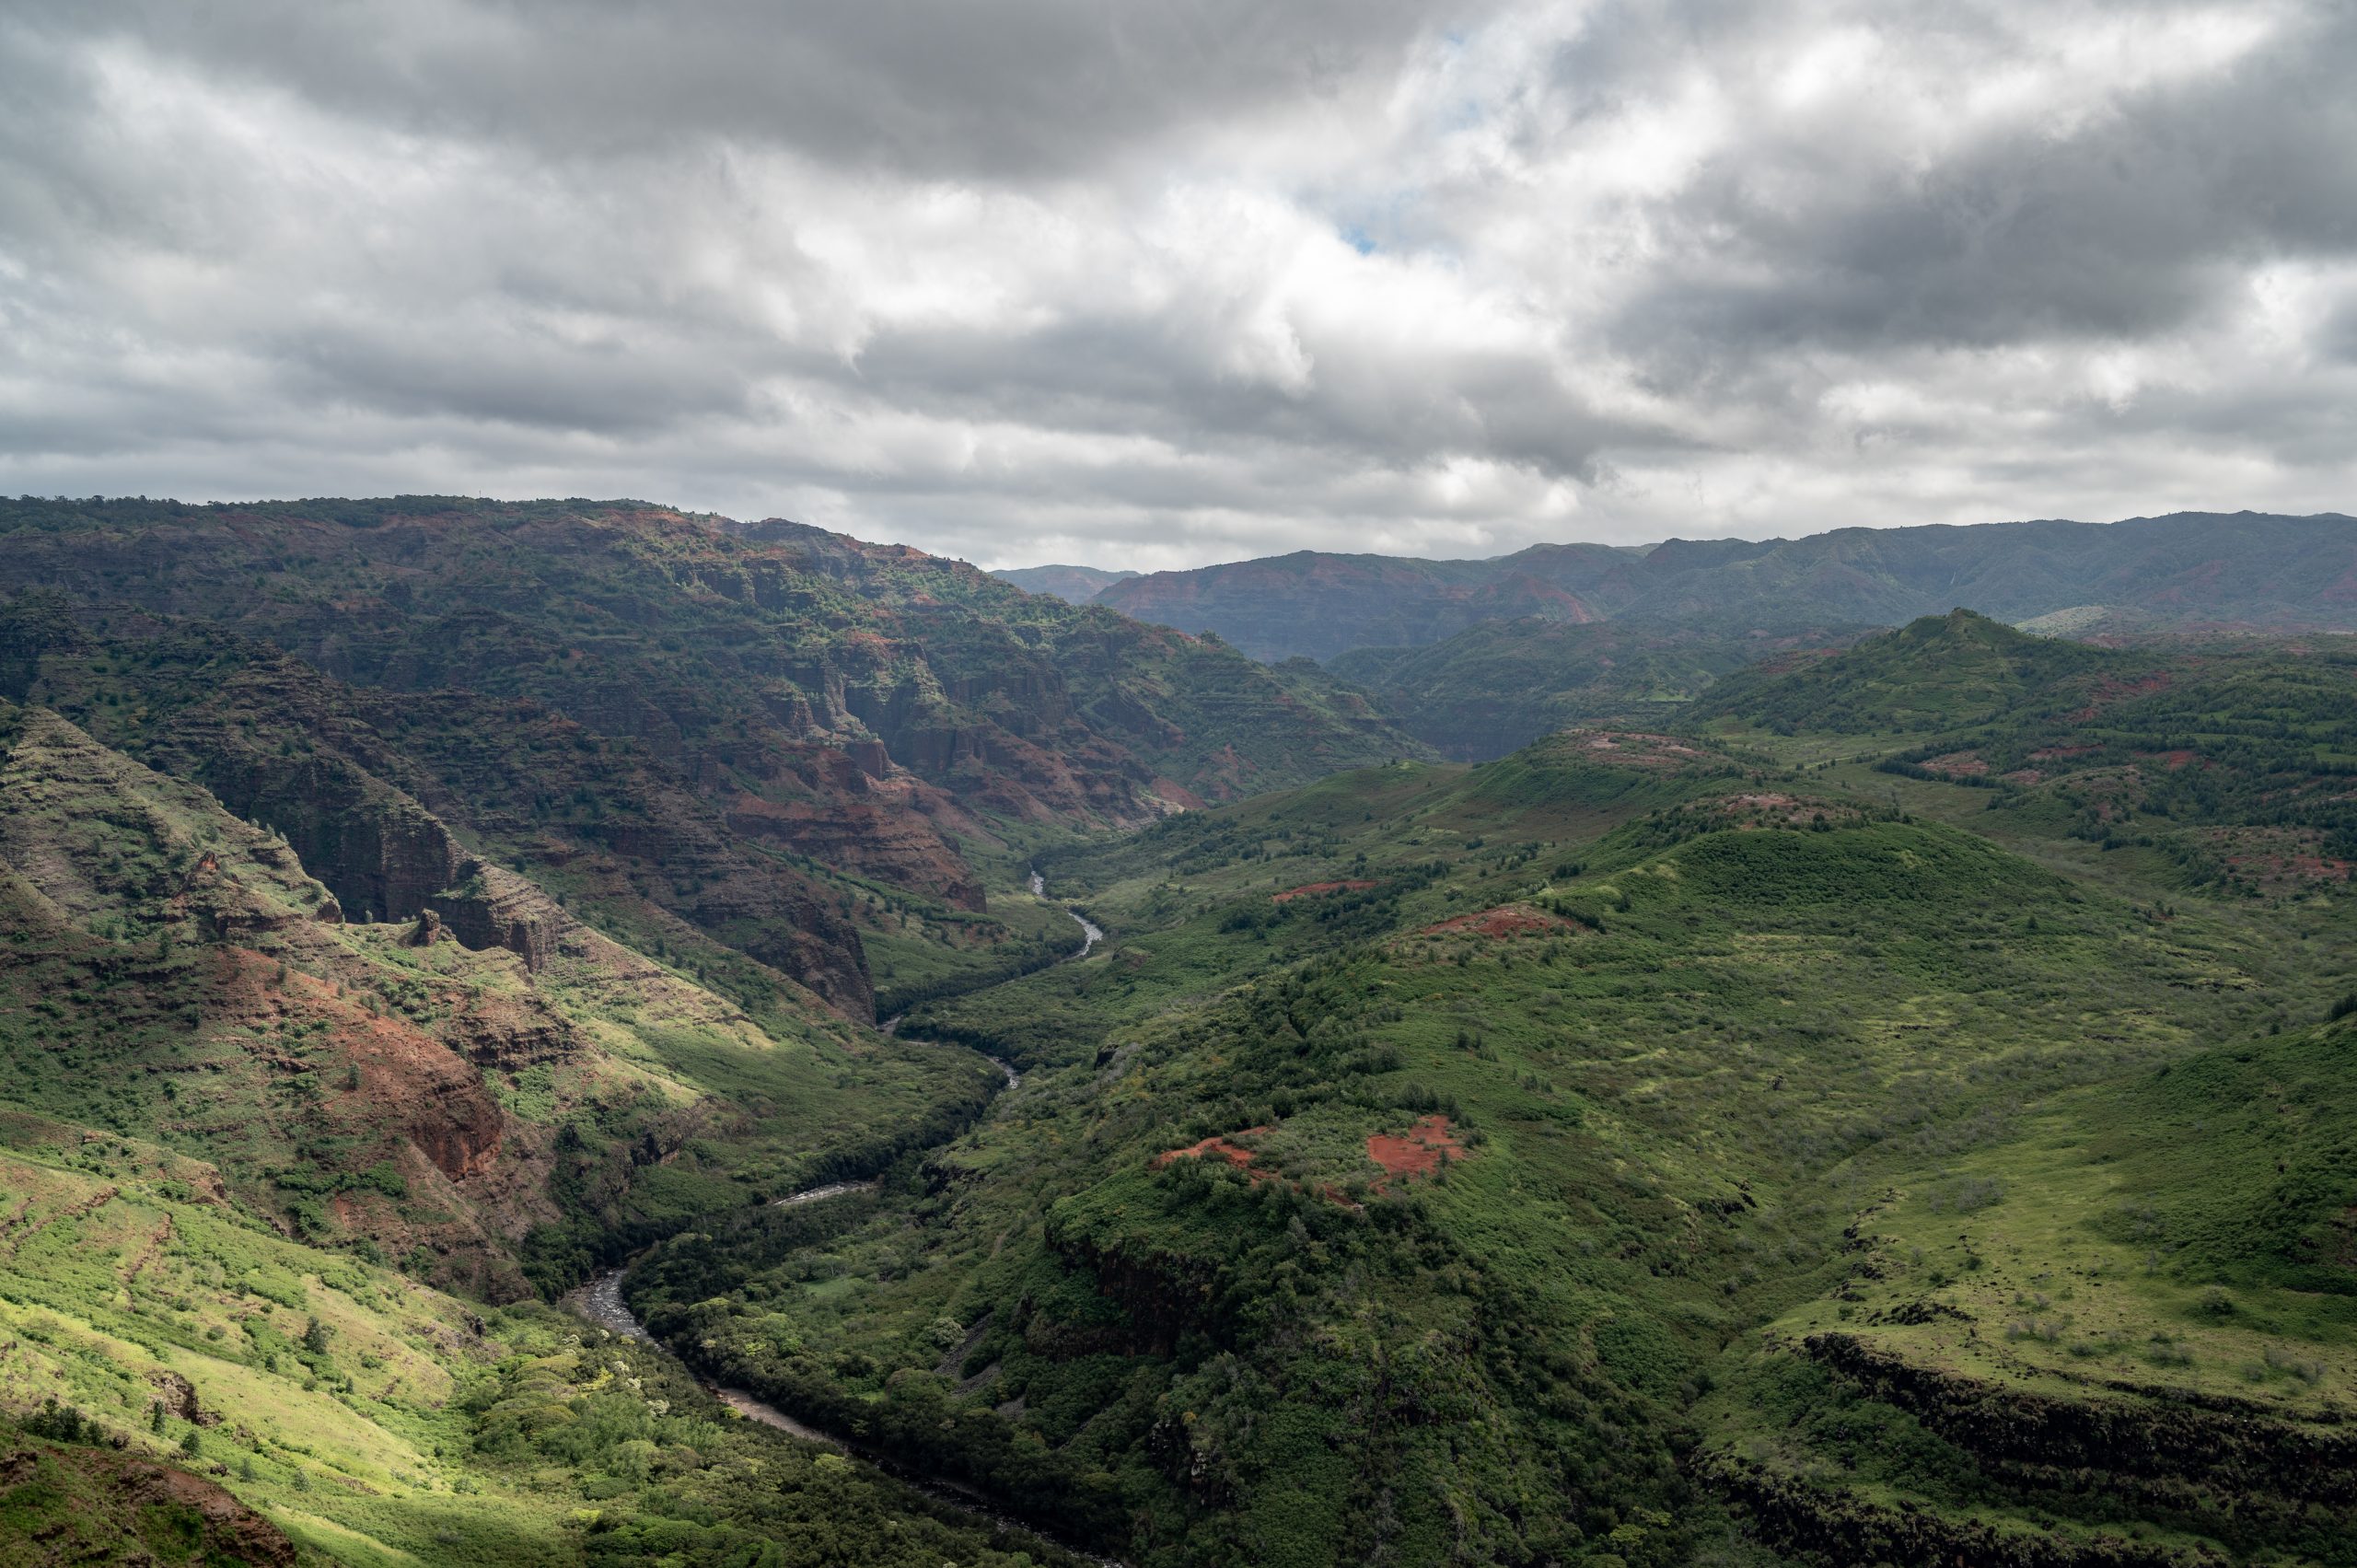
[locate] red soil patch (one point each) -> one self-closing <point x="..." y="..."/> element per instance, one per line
<point x="1768" y="808"/>
<point x="2181" y="757"/>
<point x="2112" y="690"/>
<point x="1636" y="749"/>
<point x="1419" y="1152"/>
<point x="2278" y="860"/>
<point x="1309" y="890"/>
<point x="1957" y="764"/>
<point x="1217" y="1146"/>
<point x="1506" y="920"/>
<point x="1177" y="795"/>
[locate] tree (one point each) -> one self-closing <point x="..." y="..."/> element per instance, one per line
<point x="192" y="1444"/>
<point x="315" y="1337"/>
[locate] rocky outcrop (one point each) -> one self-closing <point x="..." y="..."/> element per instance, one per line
<point x="1838" y="1529"/>
<point x="512" y="1033"/>
<point x="492" y="908"/>
<point x="2238" y="1451"/>
<point x="178" y="1396"/>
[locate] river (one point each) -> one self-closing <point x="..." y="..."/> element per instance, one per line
<point x="1090" y="934"/>
<point x="600" y="1302"/>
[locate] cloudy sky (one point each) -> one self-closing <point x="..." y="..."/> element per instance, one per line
<point x="1160" y="282"/>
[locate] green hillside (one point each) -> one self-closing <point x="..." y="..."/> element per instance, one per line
<point x="1844" y="1105"/>
<point x="167" y="1352"/>
<point x="1436" y="1140"/>
<point x="1938" y="673"/>
<point x="1499" y="685"/>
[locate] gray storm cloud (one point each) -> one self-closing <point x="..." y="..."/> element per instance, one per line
<point x="1154" y="286"/>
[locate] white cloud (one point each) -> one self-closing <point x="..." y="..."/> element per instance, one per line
<point x="1074" y="281"/>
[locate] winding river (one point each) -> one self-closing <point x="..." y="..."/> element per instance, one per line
<point x="600" y="1303"/>
<point x="1090" y="934"/>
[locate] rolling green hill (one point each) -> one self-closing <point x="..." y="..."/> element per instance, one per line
<point x="1939" y="673"/>
<point x="1499" y="685"/>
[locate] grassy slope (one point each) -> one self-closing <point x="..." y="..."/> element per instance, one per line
<point x="2169" y="1253"/>
<point x="412" y="1427"/>
<point x="1723" y="1033"/>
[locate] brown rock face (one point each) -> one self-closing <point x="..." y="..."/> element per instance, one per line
<point x="512" y="1033"/>
<point x="178" y="1396"/>
<point x="492" y="908"/>
<point x="900" y="846"/>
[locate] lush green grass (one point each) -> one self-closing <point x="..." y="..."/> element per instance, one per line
<point x="376" y="1421"/>
<point x="1703" y="1014"/>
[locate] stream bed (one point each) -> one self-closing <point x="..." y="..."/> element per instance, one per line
<point x="600" y="1303"/>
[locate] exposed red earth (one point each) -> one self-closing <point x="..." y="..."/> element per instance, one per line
<point x="1418" y="1152"/>
<point x="2112" y="688"/>
<point x="1506" y="920"/>
<point x="1633" y="748"/>
<point x="1219" y="1146"/>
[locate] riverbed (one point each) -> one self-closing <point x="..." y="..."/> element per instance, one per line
<point x="600" y="1302"/>
<point x="1089" y="933"/>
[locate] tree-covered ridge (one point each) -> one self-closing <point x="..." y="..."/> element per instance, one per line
<point x="2184" y="572"/>
<point x="712" y="641"/>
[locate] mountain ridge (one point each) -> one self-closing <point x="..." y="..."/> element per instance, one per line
<point x="1073" y="584"/>
<point x="2184" y="569"/>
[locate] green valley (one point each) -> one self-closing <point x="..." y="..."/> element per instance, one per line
<point x="1811" y="1097"/>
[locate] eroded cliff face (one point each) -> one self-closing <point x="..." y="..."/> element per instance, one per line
<point x="417" y="1086"/>
<point x="392" y="802"/>
<point x="1841" y="1530"/>
<point x="2217" y="1440"/>
<point x="638" y="650"/>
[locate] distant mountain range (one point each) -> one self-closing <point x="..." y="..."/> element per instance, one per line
<point x="1073" y="584"/>
<point x="2185" y="571"/>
